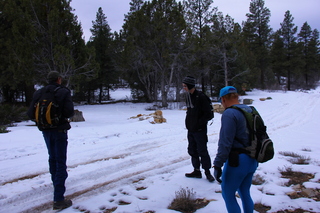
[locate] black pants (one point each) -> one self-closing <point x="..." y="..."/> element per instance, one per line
<point x="197" y="149"/>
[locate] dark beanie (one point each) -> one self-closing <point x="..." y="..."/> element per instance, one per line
<point x="189" y="81"/>
<point x="53" y="76"/>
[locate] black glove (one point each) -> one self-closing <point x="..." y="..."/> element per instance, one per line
<point x="217" y="173"/>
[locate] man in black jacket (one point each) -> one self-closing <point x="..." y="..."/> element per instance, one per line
<point x="198" y="114"/>
<point x="57" y="138"/>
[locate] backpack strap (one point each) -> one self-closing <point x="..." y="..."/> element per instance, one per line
<point x="48" y="88"/>
<point x="249" y="122"/>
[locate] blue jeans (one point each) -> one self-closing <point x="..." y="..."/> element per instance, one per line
<point x="197" y="149"/>
<point x="57" y="142"/>
<point x="238" y="179"/>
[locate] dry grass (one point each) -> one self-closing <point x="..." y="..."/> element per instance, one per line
<point x="289" y="154"/>
<point x="259" y="207"/>
<point x="295" y="177"/>
<point x="186" y="202"/>
<point x="306" y="150"/>
<point x="258" y="180"/>
<point x="302" y="160"/>
<point x="110" y="210"/>
<point x="122" y="203"/>
<point x="296" y="158"/>
<point x="294" y="211"/>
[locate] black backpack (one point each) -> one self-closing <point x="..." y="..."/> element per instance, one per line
<point x="211" y="107"/>
<point x="47" y="111"/>
<point x="210" y="103"/>
<point x="261" y="147"/>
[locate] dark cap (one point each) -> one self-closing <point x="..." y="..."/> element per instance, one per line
<point x="189" y="81"/>
<point x="53" y="76"/>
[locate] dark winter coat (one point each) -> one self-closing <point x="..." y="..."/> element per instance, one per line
<point x="63" y="98"/>
<point x="197" y="117"/>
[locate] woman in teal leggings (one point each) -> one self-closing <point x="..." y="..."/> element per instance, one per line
<point x="238" y="179"/>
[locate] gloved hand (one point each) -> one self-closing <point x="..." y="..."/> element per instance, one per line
<point x="217" y="173"/>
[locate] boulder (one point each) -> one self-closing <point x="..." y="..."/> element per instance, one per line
<point x="77" y="117"/>
<point x="247" y="101"/>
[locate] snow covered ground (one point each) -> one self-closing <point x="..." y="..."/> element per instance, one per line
<point x="114" y="160"/>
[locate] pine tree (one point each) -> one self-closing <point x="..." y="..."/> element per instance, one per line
<point x="153" y="37"/>
<point x="315" y="55"/>
<point x="288" y="32"/>
<point x="257" y="33"/>
<point x="226" y="35"/>
<point x="307" y="39"/>
<point x="17" y="67"/>
<point x="59" y="42"/>
<point x="132" y="62"/>
<point x="102" y="40"/>
<point x="199" y="15"/>
<point x="41" y="36"/>
<point x="278" y="57"/>
<point x="169" y="28"/>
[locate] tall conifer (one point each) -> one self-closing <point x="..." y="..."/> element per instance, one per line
<point x="257" y="33"/>
<point x="288" y="32"/>
<point x="101" y="40"/>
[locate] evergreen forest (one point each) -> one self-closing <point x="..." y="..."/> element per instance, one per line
<point x="161" y="42"/>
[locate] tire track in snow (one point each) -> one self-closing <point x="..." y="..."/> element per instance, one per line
<point x="281" y="117"/>
<point x="128" y="160"/>
<point x="31" y="176"/>
<point x="144" y="147"/>
<point x="102" y="187"/>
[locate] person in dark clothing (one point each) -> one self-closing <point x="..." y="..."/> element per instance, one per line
<point x="56" y="139"/>
<point x="198" y="112"/>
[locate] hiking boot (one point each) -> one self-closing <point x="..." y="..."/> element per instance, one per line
<point x="58" y="205"/>
<point x="209" y="176"/>
<point x="194" y="174"/>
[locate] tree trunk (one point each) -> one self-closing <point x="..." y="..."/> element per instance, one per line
<point x="29" y="89"/>
<point x="164" y="91"/>
<point x="100" y="94"/>
<point x="225" y="68"/>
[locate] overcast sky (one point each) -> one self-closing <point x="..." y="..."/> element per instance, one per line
<point x="302" y="11"/>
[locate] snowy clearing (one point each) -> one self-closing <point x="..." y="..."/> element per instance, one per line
<point x="136" y="166"/>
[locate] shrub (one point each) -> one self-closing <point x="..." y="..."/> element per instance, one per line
<point x="10" y="114"/>
<point x="184" y="201"/>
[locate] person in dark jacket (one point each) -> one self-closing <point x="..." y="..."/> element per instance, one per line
<point x="238" y="167"/>
<point x="56" y="139"/>
<point x="198" y="112"/>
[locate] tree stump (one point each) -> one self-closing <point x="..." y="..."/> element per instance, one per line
<point x="77" y="117"/>
<point x="158" y="118"/>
